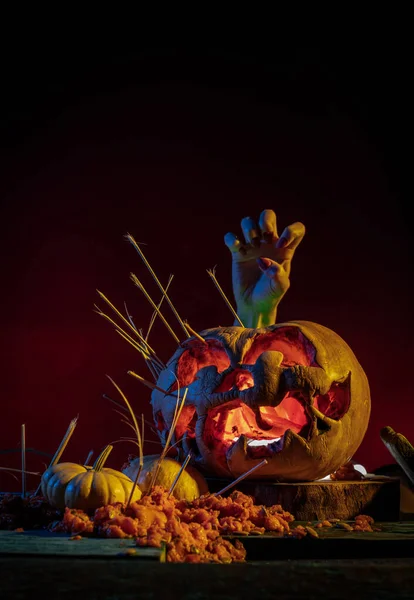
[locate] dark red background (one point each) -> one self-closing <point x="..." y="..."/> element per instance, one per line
<point x="175" y="147"/>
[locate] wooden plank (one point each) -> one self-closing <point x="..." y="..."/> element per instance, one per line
<point x="44" y="543"/>
<point x="395" y="540"/>
<point x="97" y="579"/>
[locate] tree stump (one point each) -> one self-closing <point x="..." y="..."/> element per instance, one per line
<point x="317" y="500"/>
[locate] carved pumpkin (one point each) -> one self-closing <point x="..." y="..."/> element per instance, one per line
<point x="293" y="393"/>
<point x="86" y="488"/>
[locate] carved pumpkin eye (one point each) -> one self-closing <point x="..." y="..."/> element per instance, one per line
<point x="198" y="355"/>
<point x="335" y="404"/>
<point x="298" y="350"/>
<point x="195" y="356"/>
<point x="290" y="341"/>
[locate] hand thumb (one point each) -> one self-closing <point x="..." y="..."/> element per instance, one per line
<point x="274" y="274"/>
<point x="270" y="268"/>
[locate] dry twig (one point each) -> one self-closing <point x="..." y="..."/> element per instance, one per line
<point x="236" y="481"/>
<point x="212" y="273"/>
<point x="157" y="281"/>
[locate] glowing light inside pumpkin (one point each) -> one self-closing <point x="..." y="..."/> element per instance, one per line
<point x="263" y="426"/>
<point x="260" y="442"/>
<point x="361" y="469"/>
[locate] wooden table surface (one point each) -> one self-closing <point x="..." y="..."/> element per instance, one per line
<point x="110" y="579"/>
<point x="340" y="564"/>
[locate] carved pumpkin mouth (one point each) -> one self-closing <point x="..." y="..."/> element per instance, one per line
<point x="261" y="431"/>
<point x="264" y="427"/>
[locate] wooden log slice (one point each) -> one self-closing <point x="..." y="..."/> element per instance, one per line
<point x="310" y="501"/>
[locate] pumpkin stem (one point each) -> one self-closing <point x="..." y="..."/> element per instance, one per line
<point x="102" y="458"/>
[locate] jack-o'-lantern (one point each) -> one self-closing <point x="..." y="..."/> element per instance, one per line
<point x="293" y="393"/>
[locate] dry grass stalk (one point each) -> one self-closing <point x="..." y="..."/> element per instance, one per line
<point x="194" y="333"/>
<point x="133" y="343"/>
<point x="141" y="287"/>
<point x="61" y="447"/>
<point x="149" y="384"/>
<point x="122" y="332"/>
<point x="88" y="458"/>
<point x="23" y="448"/>
<point x="126" y="421"/>
<point x="130" y="319"/>
<point x="117" y="312"/>
<point x="18" y="471"/>
<point x="154" y="314"/>
<point x="236" y="481"/>
<point x="157" y="281"/>
<point x="179" y="405"/>
<point x="180" y="472"/>
<point x="153" y="362"/>
<point x="139" y="436"/>
<point x="151" y="368"/>
<point x="141" y="344"/>
<point x="212" y="273"/>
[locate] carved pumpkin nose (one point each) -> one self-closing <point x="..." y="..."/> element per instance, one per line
<point x="242" y="379"/>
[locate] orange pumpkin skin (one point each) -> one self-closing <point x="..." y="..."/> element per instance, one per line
<point x="76" y="486"/>
<point x="293" y="393"/>
<point x="55" y="481"/>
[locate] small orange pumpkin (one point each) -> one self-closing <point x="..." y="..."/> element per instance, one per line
<point x="87" y="488"/>
<point x="191" y="483"/>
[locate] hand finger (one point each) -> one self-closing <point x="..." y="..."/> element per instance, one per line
<point x="291" y="236"/>
<point x="250" y="231"/>
<point x="233" y="243"/>
<point x="268" y="225"/>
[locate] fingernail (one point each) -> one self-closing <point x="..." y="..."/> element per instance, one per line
<point x="264" y="263"/>
<point x="281" y="242"/>
<point x="268" y="237"/>
<point x="242" y="250"/>
<point x="256" y="242"/>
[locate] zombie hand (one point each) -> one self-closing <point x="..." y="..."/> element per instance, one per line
<point x="261" y="267"/>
